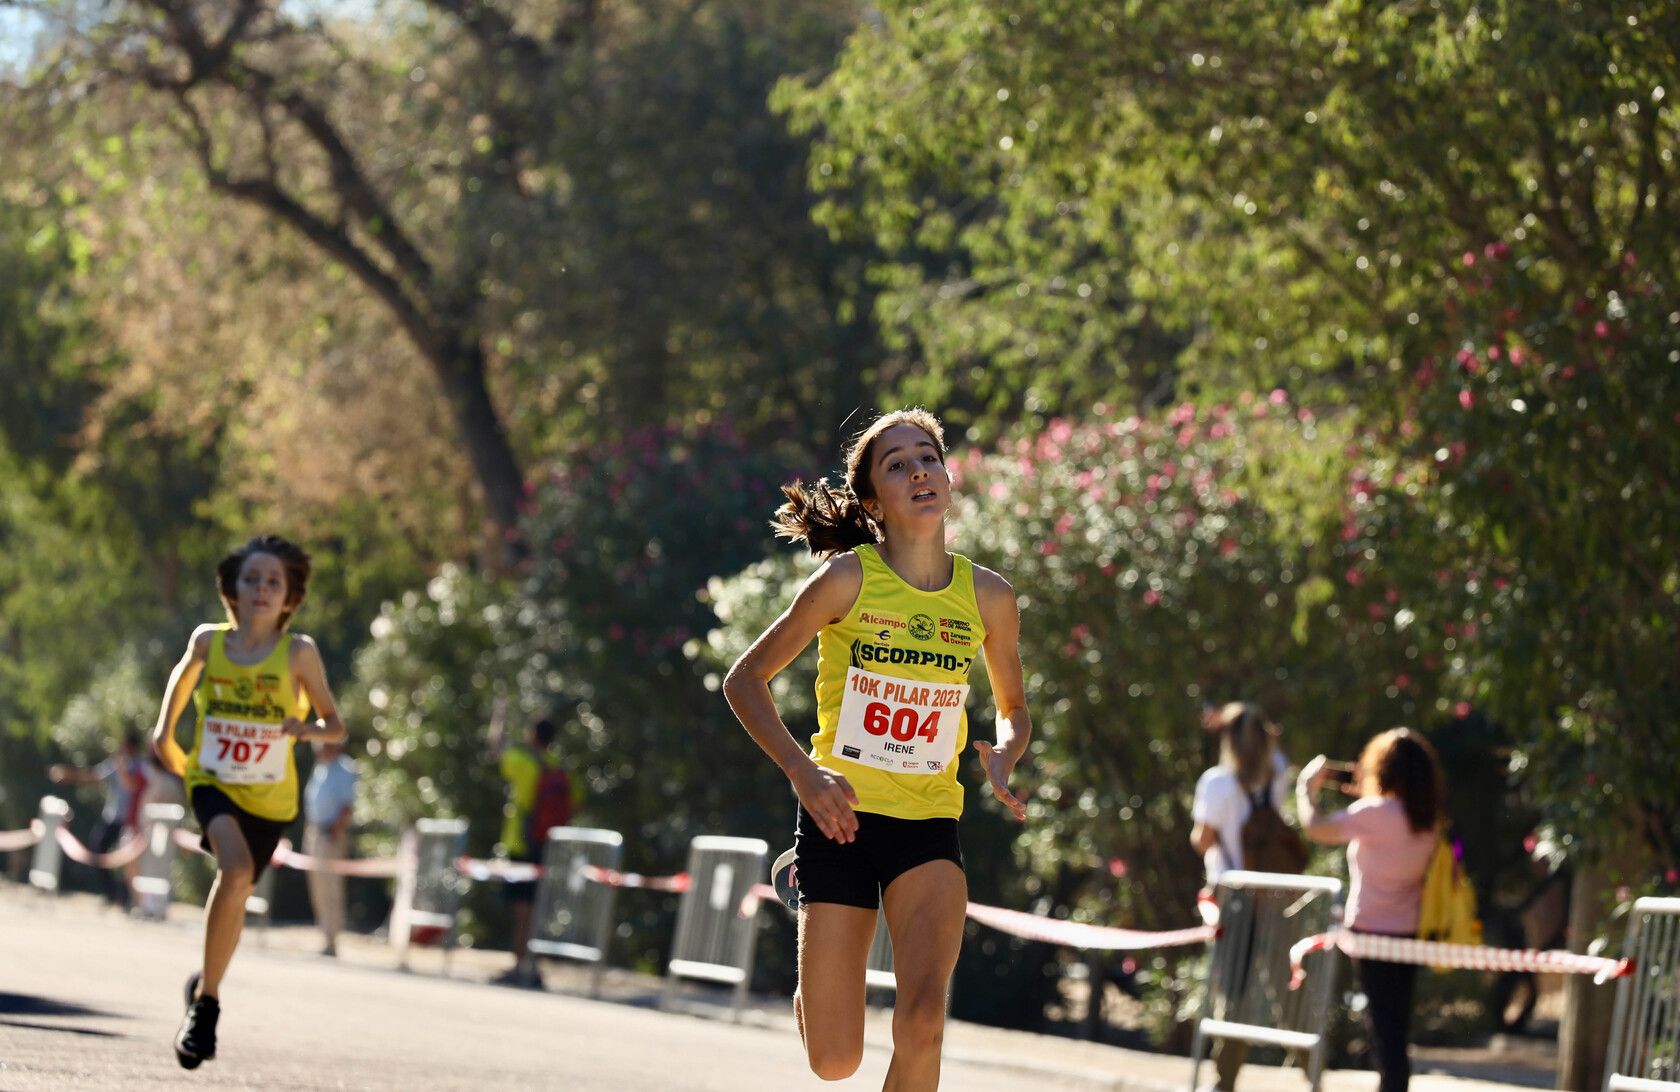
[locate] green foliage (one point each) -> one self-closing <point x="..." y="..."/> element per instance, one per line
<point x="1535" y="520"/>
<point x="591" y="632"/>
<point x="1249" y="192"/>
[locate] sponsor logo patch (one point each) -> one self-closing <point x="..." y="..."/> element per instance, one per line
<point x="921" y="627"/>
<point x="850" y="752"/>
<point x="876" y="618"/>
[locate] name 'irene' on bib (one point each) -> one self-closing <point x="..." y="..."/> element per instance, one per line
<point x="892" y="680"/>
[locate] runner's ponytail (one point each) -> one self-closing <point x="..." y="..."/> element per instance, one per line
<point x="827" y="520"/>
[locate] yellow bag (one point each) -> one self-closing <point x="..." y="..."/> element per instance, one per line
<point x="1449" y="902"/>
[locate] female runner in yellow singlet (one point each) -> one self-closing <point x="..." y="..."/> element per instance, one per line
<point x="899" y="621"/>
<point x="256" y="684"/>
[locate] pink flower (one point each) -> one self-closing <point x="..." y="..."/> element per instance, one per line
<point x="1064" y="525"/>
<point x="1403" y="682"/>
<point x="615" y="632"/>
<point x="1461" y="710"/>
<point x="998" y="491"/>
<point x="1601" y="328"/>
<point x="1354" y="577"/>
<point x="1186" y="436"/>
<point x="1047" y="548"/>
<point x="1672" y="875"/>
<point x="1152" y="597"/>
<point x="1116" y="868"/>
<point x="1469" y="258"/>
<point x="1080" y="632"/>
<point x="1529" y="843"/>
<point x="1493" y="352"/>
<point x="1466" y="399"/>
<point x="1277" y="397"/>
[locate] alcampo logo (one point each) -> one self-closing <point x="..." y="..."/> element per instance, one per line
<point x="921" y="627"/>
<point x="876" y="618"/>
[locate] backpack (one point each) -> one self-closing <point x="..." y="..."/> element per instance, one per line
<point x="552" y="807"/>
<point x="1449" y="902"/>
<point x="1268" y="843"/>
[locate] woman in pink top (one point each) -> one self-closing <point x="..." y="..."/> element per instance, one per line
<point x="1390" y="834"/>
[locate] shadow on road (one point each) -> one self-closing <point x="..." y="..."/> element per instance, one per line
<point x="13" y="1005"/>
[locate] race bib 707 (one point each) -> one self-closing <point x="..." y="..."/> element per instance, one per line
<point x="239" y="752"/>
<point x="898" y="725"/>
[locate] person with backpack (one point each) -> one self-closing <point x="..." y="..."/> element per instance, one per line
<point x="1238" y="825"/>
<point x="1391" y="834"/>
<point x="539" y="798"/>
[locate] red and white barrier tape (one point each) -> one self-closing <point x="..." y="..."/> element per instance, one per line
<point x="505" y="871"/>
<point x="1472" y="957"/>
<point x="286" y="857"/>
<point x="22" y="839"/>
<point x="127" y="853"/>
<point x="613" y="878"/>
<point x="1073" y="934"/>
<point x="375" y="867"/>
<point x="757" y="893"/>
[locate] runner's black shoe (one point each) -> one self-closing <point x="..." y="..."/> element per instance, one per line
<point x="196" y="1041"/>
<point x="785" y="879"/>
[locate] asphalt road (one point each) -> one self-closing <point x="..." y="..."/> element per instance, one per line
<point x="90" y="1000"/>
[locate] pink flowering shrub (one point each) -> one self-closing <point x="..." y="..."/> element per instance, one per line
<point x="1533" y="511"/>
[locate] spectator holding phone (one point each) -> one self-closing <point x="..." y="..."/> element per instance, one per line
<point x="1390" y="833"/>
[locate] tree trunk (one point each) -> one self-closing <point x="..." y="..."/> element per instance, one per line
<point x="1584" y="1035"/>
<point x="460" y="368"/>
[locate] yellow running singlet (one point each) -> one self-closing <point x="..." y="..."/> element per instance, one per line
<point x="238" y="746"/>
<point x="892" y="676"/>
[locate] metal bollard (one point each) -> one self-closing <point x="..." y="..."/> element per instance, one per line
<point x="47" y="861"/>
<point x="155" y="881"/>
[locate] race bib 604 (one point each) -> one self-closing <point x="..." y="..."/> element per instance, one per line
<point x="238" y="752"/>
<point x="899" y="725"/>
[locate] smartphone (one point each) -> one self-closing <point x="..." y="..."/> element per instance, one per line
<point x="1339" y="773"/>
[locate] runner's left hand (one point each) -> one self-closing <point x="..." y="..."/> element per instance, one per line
<point x="998" y="768"/>
<point x="297" y="729"/>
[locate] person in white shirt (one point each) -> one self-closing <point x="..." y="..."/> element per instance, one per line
<point x="329" y="804"/>
<point x="1250" y="763"/>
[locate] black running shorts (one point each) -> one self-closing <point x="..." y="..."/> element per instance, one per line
<point x="885" y="848"/>
<point x="261" y="835"/>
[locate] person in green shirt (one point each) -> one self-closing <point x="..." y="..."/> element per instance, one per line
<point x="532" y="772"/>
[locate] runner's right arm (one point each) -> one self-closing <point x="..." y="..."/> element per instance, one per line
<point x="181" y="682"/>
<point x="826" y="598"/>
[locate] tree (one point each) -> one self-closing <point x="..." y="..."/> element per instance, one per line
<point x="586" y="204"/>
